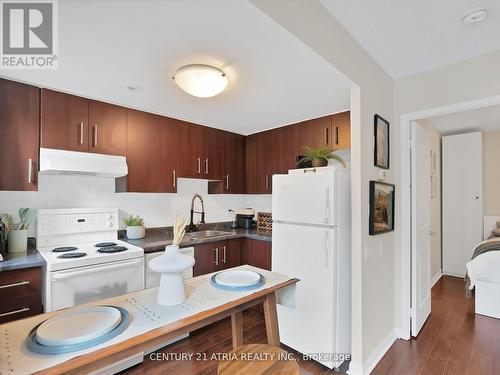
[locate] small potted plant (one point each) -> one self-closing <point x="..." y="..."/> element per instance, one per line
<point x="17" y="233"/>
<point x="319" y="156"/>
<point x="135" y="227"/>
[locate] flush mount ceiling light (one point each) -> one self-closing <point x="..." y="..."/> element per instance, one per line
<point x="200" y="80"/>
<point x="475" y="15"/>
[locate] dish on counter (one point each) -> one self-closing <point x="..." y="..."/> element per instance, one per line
<point x="48" y="337"/>
<point x="237" y="280"/>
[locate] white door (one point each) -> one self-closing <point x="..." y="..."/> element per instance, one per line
<point x="307" y="253"/>
<point x="462" y="200"/>
<point x="421" y="228"/>
<point x="305" y="197"/>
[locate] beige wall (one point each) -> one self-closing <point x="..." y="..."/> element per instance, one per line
<point x="373" y="275"/>
<point x="491" y="147"/>
<point x="436" y="251"/>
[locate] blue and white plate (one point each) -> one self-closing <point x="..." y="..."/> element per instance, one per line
<point x="36" y="346"/>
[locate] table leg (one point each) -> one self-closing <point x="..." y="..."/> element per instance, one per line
<point x="237" y="329"/>
<point x="271" y="318"/>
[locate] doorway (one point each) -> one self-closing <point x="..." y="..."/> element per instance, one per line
<point x="414" y="271"/>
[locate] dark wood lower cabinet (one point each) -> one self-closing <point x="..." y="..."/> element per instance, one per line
<point x="20" y="293"/>
<point x="220" y="255"/>
<point x="257" y="253"/>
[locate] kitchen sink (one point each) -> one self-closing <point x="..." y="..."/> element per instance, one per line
<point x="207" y="234"/>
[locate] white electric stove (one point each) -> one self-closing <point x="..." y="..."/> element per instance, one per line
<point x="85" y="261"/>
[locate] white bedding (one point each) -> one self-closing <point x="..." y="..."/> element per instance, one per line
<point x="485" y="267"/>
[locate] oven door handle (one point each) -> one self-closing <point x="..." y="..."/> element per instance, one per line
<point x="92" y="270"/>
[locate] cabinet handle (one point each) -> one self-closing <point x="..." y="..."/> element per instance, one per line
<point x="81" y="126"/>
<point x="30" y="171"/>
<point x="216" y="256"/>
<point x="206" y="166"/>
<point x="198" y="170"/>
<point x="14" y="284"/>
<point x="95" y="134"/>
<point x="227" y="182"/>
<point x="174" y="179"/>
<point x="267" y="182"/>
<point x="15" y="312"/>
<point x="326" y="136"/>
<point x="337" y="135"/>
<point x="224" y="255"/>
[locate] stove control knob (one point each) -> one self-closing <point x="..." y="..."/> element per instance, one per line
<point x="110" y="224"/>
<point x="109" y="216"/>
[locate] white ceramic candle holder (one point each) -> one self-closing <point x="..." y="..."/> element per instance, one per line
<point x="171" y="265"/>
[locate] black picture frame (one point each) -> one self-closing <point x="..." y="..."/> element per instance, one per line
<point x="381" y="128"/>
<point x="381" y="220"/>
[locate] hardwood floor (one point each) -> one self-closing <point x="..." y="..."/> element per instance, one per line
<point x="215" y="338"/>
<point x="453" y="341"/>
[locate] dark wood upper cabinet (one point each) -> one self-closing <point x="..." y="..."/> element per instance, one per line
<point x="64" y="121"/>
<point x="190" y="140"/>
<point x="152" y="151"/>
<point x="107" y="128"/>
<point x="341" y="130"/>
<point x="316" y="132"/>
<point x="233" y="165"/>
<point x="19" y="127"/>
<point x="213" y="147"/>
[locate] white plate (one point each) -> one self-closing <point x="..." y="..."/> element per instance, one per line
<point x="237" y="278"/>
<point x="78" y="325"/>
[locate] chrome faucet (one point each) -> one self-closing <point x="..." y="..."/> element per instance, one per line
<point x="192" y="227"/>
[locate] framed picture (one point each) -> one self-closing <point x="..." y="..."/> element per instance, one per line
<point x="381" y="207"/>
<point x="381" y="132"/>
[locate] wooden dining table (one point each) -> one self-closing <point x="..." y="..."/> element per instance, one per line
<point x="99" y="359"/>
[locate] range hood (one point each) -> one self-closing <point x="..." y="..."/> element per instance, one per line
<point x="84" y="163"/>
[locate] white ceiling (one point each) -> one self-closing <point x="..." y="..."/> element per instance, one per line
<point x="275" y="79"/>
<point x="482" y="119"/>
<point x="411" y="36"/>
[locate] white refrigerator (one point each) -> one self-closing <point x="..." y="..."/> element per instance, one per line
<point x="311" y="241"/>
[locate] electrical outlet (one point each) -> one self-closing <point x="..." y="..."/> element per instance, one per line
<point x="368" y="252"/>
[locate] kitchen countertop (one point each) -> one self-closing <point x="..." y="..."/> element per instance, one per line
<point x="157" y="238"/>
<point x="17" y="261"/>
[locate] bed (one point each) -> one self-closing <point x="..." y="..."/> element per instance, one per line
<point x="483" y="273"/>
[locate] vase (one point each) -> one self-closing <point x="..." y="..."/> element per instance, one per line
<point x="136" y="232"/>
<point x="17" y="241"/>
<point x="171" y="265"/>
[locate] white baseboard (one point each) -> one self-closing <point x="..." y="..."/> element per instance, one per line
<point x="436" y="277"/>
<point x="374" y="358"/>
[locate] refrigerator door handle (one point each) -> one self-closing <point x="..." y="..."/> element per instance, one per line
<point x="326" y="249"/>
<point x="327" y="205"/>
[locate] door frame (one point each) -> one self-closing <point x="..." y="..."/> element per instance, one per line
<point x="405" y="202"/>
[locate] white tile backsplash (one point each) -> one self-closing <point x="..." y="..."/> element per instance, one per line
<point x="157" y="209"/>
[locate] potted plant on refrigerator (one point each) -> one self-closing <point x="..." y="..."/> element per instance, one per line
<point x="135" y="227"/>
<point x="17" y="233"/>
<point x="318" y="157"/>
